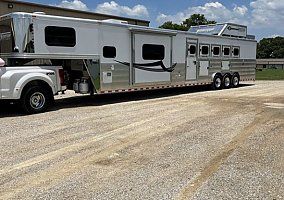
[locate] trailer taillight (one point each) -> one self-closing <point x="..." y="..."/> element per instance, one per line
<point x="61" y="76"/>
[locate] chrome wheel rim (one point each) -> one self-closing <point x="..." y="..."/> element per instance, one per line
<point x="235" y="81"/>
<point x="37" y="100"/>
<point x="227" y="82"/>
<point x="218" y="82"/>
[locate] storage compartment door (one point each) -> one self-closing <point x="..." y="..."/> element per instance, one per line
<point x="152" y="58"/>
<point x="225" y="65"/>
<point x="203" y="68"/>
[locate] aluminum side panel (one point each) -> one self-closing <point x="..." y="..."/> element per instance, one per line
<point x="120" y="75"/>
<point x="178" y="75"/>
<point x="246" y="68"/>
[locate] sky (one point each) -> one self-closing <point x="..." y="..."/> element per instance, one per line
<point x="264" y="18"/>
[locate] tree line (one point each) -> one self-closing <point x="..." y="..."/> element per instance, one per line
<point x="193" y="20"/>
<point x="266" y="48"/>
<point x="270" y="48"/>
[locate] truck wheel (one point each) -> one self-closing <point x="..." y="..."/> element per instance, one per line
<point x="217" y="82"/>
<point x="235" y="80"/>
<point x="226" y="81"/>
<point x="35" y="100"/>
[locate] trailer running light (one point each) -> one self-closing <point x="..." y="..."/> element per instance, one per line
<point x="61" y="76"/>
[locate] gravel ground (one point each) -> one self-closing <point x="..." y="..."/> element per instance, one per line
<point x="186" y="143"/>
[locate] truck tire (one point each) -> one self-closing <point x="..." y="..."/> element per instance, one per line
<point x="217" y="82"/>
<point x="35" y="100"/>
<point x="226" y="81"/>
<point x="235" y="80"/>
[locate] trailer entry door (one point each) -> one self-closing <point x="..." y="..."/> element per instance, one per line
<point x="191" y="60"/>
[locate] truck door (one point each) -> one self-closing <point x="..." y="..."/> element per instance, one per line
<point x="191" y="60"/>
<point x="152" y="62"/>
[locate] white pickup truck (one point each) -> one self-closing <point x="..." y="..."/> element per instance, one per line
<point x="32" y="87"/>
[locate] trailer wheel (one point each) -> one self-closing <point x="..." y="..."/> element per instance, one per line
<point x="226" y="81"/>
<point x="217" y="82"/>
<point x="35" y="100"/>
<point x="235" y="80"/>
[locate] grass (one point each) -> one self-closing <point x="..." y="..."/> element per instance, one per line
<point x="270" y="74"/>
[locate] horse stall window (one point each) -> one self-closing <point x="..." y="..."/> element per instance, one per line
<point x="153" y="52"/>
<point x="60" y="36"/>
<point x="236" y="52"/>
<point x="204" y="50"/>
<point x="109" y="52"/>
<point x="226" y="51"/>
<point x="216" y="50"/>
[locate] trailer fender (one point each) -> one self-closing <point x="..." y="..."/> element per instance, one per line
<point x="29" y="78"/>
<point x="214" y="74"/>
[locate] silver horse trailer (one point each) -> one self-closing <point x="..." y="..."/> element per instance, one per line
<point x="113" y="56"/>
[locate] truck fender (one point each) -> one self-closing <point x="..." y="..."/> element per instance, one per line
<point x="32" y="77"/>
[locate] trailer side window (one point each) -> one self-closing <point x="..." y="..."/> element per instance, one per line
<point x="236" y="51"/>
<point x="204" y="50"/>
<point x="153" y="52"/>
<point x="226" y="51"/>
<point x="109" y="52"/>
<point x="216" y="51"/>
<point x="60" y="36"/>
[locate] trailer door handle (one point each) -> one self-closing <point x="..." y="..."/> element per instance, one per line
<point x="194" y="62"/>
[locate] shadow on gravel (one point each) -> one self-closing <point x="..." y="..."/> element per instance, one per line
<point x="11" y="110"/>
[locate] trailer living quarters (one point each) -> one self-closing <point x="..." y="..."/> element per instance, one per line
<point x="92" y="56"/>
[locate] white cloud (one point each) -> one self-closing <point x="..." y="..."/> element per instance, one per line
<point x="113" y="8"/>
<point x="263" y="17"/>
<point x="75" y="4"/>
<point x="267" y="13"/>
<point x="240" y="10"/>
<point x="212" y="11"/>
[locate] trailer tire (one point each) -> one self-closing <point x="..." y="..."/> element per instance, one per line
<point x="35" y="99"/>
<point x="226" y="81"/>
<point x="217" y="82"/>
<point x="235" y="80"/>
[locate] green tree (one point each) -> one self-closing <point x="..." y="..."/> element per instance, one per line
<point x="171" y="25"/>
<point x="270" y="48"/>
<point x="193" y="20"/>
<point x="196" y="20"/>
